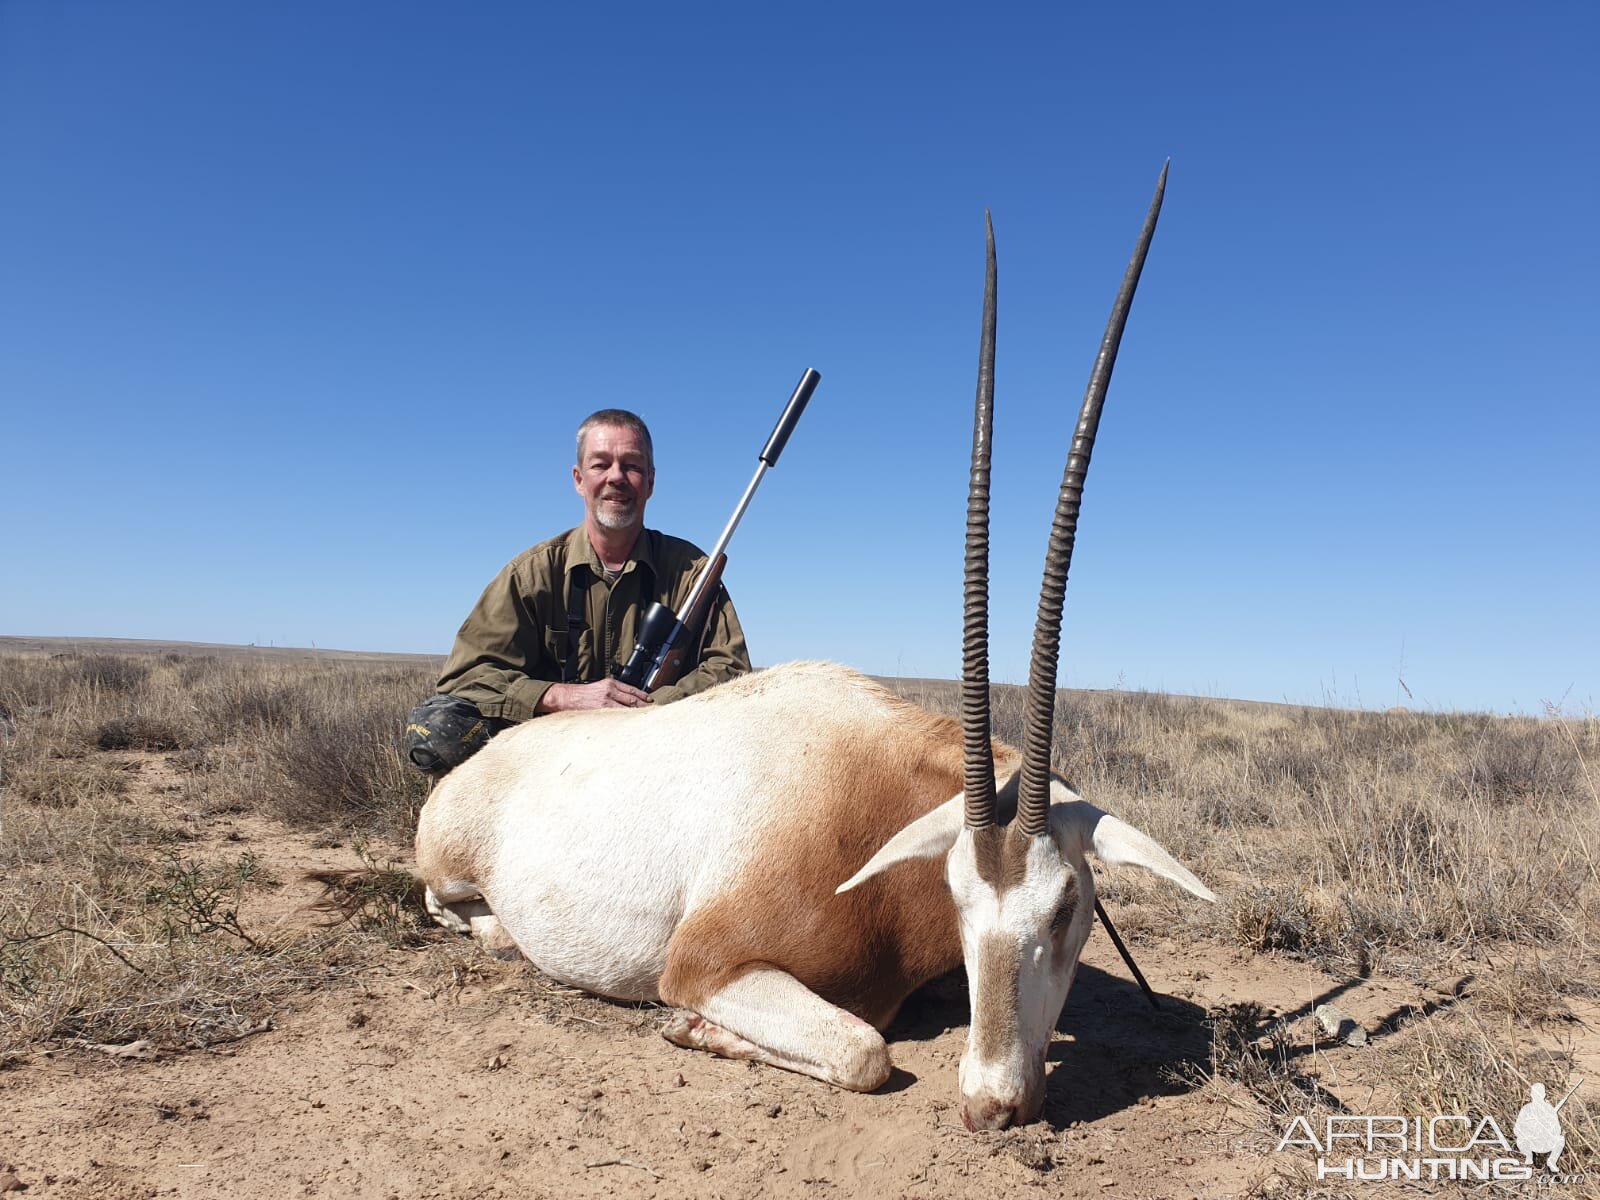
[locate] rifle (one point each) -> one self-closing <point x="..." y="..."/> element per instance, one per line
<point x="662" y="650"/>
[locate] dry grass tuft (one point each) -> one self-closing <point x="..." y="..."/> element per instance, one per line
<point x="65" y="782"/>
<point x="107" y="672"/>
<point x="1254" y="1051"/>
<point x="1266" y="917"/>
<point x="141" y="733"/>
<point x="378" y="898"/>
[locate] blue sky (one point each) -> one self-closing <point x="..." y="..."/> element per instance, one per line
<point x="300" y="303"/>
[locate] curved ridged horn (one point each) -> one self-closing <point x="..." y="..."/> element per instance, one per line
<point x="978" y="778"/>
<point x="1033" y="794"/>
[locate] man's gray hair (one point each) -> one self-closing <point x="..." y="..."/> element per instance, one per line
<point x="627" y="420"/>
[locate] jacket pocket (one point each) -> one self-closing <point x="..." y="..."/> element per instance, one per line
<point x="556" y="649"/>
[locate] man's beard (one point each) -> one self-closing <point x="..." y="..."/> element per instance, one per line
<point x="616" y="514"/>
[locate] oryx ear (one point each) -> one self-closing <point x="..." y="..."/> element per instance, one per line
<point x="929" y="836"/>
<point x="1080" y="825"/>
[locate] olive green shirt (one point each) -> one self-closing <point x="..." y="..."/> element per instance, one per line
<point x="513" y="644"/>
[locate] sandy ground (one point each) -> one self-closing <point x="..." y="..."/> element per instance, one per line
<point x="435" y="1071"/>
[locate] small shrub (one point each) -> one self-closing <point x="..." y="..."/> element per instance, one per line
<point x="344" y="768"/>
<point x="1284" y="919"/>
<point x="1508" y="765"/>
<point x="1227" y="811"/>
<point x="193" y="899"/>
<point x="381" y="898"/>
<point x="111" y="673"/>
<point x="260" y="704"/>
<point x="1528" y="992"/>
<point x="1419" y="836"/>
<point x="142" y="733"/>
<point x="64" y="782"/>
<point x="1251" y="1048"/>
<point x="197" y="669"/>
<point x="1283" y="761"/>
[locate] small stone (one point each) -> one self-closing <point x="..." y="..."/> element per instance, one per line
<point x="1339" y="1024"/>
<point x="678" y="1080"/>
<point x="1107" y="1181"/>
<point x="144" y="1048"/>
<point x="700" y="1164"/>
<point x="10" y="1183"/>
<point x="774" y="1110"/>
<point x="595" y="1093"/>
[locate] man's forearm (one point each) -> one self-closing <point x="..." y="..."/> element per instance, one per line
<point x="498" y="691"/>
<point x="606" y="693"/>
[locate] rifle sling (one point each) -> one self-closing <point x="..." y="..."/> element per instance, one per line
<point x="577" y="592"/>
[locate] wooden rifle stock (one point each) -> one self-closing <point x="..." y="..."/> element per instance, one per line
<point x="687" y="647"/>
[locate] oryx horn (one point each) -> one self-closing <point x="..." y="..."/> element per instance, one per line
<point x="1033" y="794"/>
<point x="975" y="721"/>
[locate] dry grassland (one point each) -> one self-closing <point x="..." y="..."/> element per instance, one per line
<point x="109" y="930"/>
<point x="1449" y="849"/>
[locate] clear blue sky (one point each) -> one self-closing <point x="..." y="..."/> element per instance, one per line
<point x="300" y="303"/>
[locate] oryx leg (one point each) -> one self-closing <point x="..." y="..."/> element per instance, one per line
<point x="461" y="908"/>
<point x="770" y="1016"/>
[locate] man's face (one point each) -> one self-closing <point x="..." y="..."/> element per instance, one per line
<point x="614" y="477"/>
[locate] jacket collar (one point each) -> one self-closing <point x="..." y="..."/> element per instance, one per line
<point x="579" y="550"/>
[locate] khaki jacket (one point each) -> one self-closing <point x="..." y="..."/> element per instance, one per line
<point x="511" y="647"/>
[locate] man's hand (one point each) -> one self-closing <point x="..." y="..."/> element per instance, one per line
<point x="607" y="693"/>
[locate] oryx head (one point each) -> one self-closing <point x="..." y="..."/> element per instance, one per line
<point x="1023" y="891"/>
